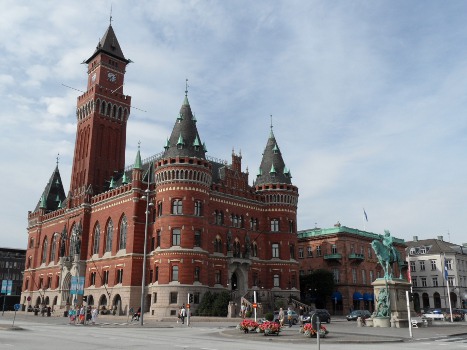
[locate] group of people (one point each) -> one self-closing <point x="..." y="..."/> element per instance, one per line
<point x="83" y="315"/>
<point x="282" y="315"/>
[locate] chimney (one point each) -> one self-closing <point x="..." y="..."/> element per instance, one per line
<point x="440" y="238"/>
<point x="415" y="238"/>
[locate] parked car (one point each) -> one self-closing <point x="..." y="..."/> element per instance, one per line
<point x="295" y="317"/>
<point x="358" y="313"/>
<point x="434" y="314"/>
<point x="323" y="315"/>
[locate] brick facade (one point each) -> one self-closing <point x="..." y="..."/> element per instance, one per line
<point x="207" y="228"/>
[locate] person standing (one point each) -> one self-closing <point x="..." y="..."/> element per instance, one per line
<point x="94" y="314"/>
<point x="300" y="313"/>
<point x="182" y="314"/>
<point x="289" y="316"/>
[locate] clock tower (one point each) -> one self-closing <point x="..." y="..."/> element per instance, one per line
<point x="102" y="113"/>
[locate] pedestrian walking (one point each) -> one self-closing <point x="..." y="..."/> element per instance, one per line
<point x="94" y="314"/>
<point x="289" y="316"/>
<point x="182" y="314"/>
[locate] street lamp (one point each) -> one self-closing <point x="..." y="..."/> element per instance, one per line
<point x="143" y="281"/>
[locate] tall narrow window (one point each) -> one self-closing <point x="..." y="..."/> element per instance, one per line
<point x="334" y="249"/>
<point x="176" y="237"/>
<point x="53" y="248"/>
<point x="198" y="208"/>
<point x="292" y="251"/>
<point x="175" y="273"/>
<point x="158" y="239"/>
<point x="276" y="281"/>
<point x="218" y="277"/>
<point x="119" y="276"/>
<point x="275" y="250"/>
<point x="354" y="276"/>
<point x="96" y="239"/>
<point x="109" y="236"/>
<point x="123" y="231"/>
<point x="197" y="273"/>
<point x="275" y="225"/>
<point x="159" y="208"/>
<point x="197" y="238"/>
<point x="318" y="250"/>
<point x="93" y="279"/>
<point x="44" y="251"/>
<point x="177" y="206"/>
<point x="157" y="274"/>
<point x="105" y="277"/>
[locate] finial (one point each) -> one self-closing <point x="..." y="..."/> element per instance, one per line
<point x="186" y="87"/>
<point x="271" y="121"/>
<point x="58" y="157"/>
<point x="139" y="144"/>
<point x="110" y="14"/>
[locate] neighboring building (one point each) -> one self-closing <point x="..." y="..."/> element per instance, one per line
<point x="348" y="254"/>
<point x="426" y="260"/>
<point x="207" y="228"/>
<point x="11" y="268"/>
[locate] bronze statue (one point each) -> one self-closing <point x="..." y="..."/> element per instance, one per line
<point x="387" y="255"/>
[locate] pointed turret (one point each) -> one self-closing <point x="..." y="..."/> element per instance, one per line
<point x="184" y="140"/>
<point x="272" y="169"/>
<point x="138" y="164"/>
<point x="53" y="195"/>
<point x="109" y="44"/>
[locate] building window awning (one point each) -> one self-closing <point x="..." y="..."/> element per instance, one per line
<point x="368" y="296"/>
<point x="357" y="296"/>
<point x="336" y="296"/>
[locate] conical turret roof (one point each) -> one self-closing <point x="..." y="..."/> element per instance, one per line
<point x="272" y="169"/>
<point x="109" y="44"/>
<point x="53" y="196"/>
<point x="184" y="140"/>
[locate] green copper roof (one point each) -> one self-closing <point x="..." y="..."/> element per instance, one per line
<point x="204" y="147"/>
<point x="180" y="116"/>
<point x="196" y="142"/>
<point x="180" y="141"/>
<point x="273" y="170"/>
<point x="275" y="149"/>
<point x="185" y="101"/>
<point x="43" y="203"/>
<point x="319" y="232"/>
<point x="138" y="163"/>
<point x="194" y="118"/>
<point x="260" y="172"/>
<point x="112" y="184"/>
<point x="124" y="179"/>
<point x="167" y="144"/>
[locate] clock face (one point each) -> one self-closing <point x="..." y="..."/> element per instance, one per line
<point x="112" y="77"/>
<point x="93" y="78"/>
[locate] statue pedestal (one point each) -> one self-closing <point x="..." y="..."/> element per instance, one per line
<point x="398" y="303"/>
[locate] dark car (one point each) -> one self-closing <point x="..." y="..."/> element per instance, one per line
<point x="323" y="315"/>
<point x="358" y="313"/>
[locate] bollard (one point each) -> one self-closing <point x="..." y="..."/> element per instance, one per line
<point x="359" y="322"/>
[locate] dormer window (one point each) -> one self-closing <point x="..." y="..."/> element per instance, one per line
<point x="412" y="251"/>
<point x="180" y="142"/>
<point x="422" y="250"/>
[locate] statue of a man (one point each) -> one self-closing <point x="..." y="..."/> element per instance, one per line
<point x="229" y="241"/>
<point x="63" y="242"/>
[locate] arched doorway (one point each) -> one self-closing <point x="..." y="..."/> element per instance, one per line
<point x="416" y="302"/>
<point x="453" y="297"/>
<point x="117" y="305"/>
<point x="90" y="300"/>
<point x="436" y="300"/>
<point x="38" y="301"/>
<point x="426" y="301"/>
<point x="46" y="301"/>
<point x="103" y="302"/>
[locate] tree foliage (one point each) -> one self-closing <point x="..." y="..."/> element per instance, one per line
<point x="317" y="287"/>
<point x="214" y="304"/>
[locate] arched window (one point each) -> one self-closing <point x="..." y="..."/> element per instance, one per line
<point x="109" y="236"/>
<point x="53" y="248"/>
<point x="97" y="238"/>
<point x="44" y="251"/>
<point x="123" y="229"/>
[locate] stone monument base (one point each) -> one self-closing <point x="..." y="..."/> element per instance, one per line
<point x="398" y="302"/>
<point x="384" y="322"/>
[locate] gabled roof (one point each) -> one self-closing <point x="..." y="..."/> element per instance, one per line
<point x="272" y="169"/>
<point x="184" y="140"/>
<point x="434" y="246"/>
<point x="53" y="197"/>
<point x="109" y="45"/>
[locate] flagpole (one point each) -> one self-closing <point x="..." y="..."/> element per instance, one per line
<point x="447" y="286"/>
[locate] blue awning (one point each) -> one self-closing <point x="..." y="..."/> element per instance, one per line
<point x="357" y="296"/>
<point x="337" y="296"/>
<point x="368" y="296"/>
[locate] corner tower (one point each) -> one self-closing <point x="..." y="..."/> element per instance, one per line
<point x="102" y="113"/>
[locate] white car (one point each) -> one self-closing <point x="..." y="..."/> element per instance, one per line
<point x="435" y="315"/>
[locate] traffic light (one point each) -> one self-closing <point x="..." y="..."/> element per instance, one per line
<point x="85" y="298"/>
<point x="411" y="296"/>
<point x="190" y="298"/>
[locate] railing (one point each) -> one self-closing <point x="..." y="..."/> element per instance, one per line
<point x="332" y="256"/>
<point x="356" y="256"/>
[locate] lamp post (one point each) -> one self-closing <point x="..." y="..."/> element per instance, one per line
<point x="143" y="281"/>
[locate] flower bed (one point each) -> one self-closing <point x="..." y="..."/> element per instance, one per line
<point x="309" y="331"/>
<point x="269" y="328"/>
<point x="247" y="326"/>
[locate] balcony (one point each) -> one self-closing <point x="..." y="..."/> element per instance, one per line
<point x="357" y="257"/>
<point x="335" y="256"/>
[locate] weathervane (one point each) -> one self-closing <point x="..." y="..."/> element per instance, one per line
<point x="186" y="87"/>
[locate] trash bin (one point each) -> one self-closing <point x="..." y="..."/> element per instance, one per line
<point x="65" y="313"/>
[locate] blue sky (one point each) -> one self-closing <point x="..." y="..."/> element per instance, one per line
<point x="368" y="98"/>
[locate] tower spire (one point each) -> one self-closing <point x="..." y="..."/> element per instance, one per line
<point x="110" y="15"/>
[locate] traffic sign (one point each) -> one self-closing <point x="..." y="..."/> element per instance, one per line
<point x="187" y="306"/>
<point x="255" y="305"/>
<point x="17" y="307"/>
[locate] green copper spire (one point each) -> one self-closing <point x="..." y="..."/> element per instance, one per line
<point x="185" y="101"/>
<point x="275" y="149"/>
<point x="112" y="184"/>
<point x="260" y="172"/>
<point x="59" y="205"/>
<point x="167" y="144"/>
<point x="138" y="163"/>
<point x="124" y="179"/>
<point x="273" y="170"/>
<point x="180" y="141"/>
<point x="204" y="147"/>
<point x="196" y="143"/>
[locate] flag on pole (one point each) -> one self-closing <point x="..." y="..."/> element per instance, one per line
<point x="364" y="213"/>
<point x="445" y="269"/>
